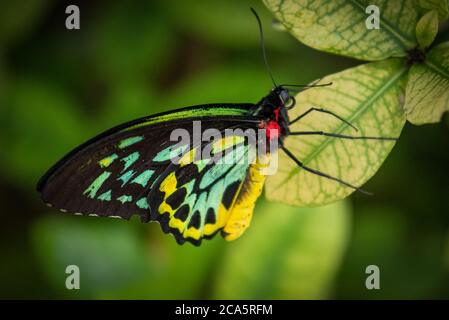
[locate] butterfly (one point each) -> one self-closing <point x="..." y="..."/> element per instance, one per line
<point x="129" y="170"/>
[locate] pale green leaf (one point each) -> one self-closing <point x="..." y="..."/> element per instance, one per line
<point x="439" y="5"/>
<point x="427" y="94"/>
<point x="368" y="96"/>
<point x="288" y="253"/>
<point x="427" y="29"/>
<point x="339" y="26"/>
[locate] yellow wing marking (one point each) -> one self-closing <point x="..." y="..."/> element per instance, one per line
<point x="176" y="223"/>
<point x="226" y="142"/>
<point x="222" y="215"/>
<point x="168" y="186"/>
<point x="189" y="157"/>
<point x="242" y="210"/>
<point x="106" y="162"/>
<point x="192" y="233"/>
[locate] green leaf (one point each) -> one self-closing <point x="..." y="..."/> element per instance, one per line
<point x="288" y="253"/>
<point x="339" y="26"/>
<point x="439" y="5"/>
<point x="427" y="29"/>
<point x="427" y="94"/>
<point x="368" y="96"/>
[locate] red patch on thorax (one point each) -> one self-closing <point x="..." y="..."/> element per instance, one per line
<point x="272" y="128"/>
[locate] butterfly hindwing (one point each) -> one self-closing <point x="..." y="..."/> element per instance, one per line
<point x="198" y="197"/>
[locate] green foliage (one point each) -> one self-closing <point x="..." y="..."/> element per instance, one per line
<point x="369" y="97"/>
<point x="290" y="255"/>
<point x="427" y="95"/>
<point x="324" y="25"/>
<point x="339" y="26"/>
<point x="441" y="6"/>
<point x="427" y="29"/>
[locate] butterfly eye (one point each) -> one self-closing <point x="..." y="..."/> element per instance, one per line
<point x="284" y="95"/>
<point x="290" y="103"/>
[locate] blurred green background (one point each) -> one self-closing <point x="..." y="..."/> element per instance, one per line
<point x="59" y="87"/>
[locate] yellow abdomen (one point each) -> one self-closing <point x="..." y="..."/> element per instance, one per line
<point x="242" y="211"/>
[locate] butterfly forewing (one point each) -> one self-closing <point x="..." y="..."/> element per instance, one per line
<point x="108" y="177"/>
<point x="113" y="174"/>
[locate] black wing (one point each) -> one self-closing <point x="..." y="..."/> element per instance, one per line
<point x="112" y="174"/>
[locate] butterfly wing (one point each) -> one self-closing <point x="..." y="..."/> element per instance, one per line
<point x="195" y="199"/>
<point x="112" y="174"/>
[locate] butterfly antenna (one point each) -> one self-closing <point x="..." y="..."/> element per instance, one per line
<point x="262" y="44"/>
<point x="307" y="85"/>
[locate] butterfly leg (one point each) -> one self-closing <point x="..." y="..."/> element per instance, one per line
<point x="342" y="136"/>
<point x="321" y="174"/>
<point x="323" y="111"/>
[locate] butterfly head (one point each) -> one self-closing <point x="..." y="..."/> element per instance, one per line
<point x="283" y="95"/>
<point x="278" y="98"/>
<point x="273" y="109"/>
